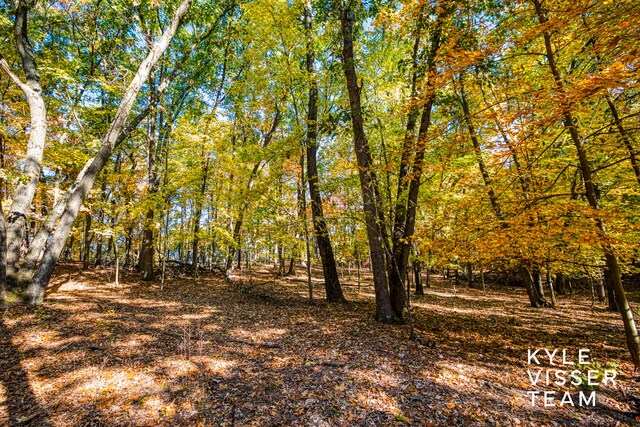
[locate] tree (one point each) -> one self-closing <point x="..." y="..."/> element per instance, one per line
<point x="368" y="180"/>
<point x="32" y="89"/>
<point x="77" y="194"/>
<point x="330" y="272"/>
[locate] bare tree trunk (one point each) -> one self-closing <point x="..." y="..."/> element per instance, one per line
<point x="368" y="181"/>
<point x="330" y="272"/>
<point x="26" y="189"/>
<point x="417" y="269"/>
<point x="3" y="257"/>
<point x="36" y="289"/>
<point x="87" y="241"/>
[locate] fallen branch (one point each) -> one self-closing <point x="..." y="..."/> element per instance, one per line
<point x="265" y="344"/>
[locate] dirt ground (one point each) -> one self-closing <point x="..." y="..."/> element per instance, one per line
<point x="256" y="352"/>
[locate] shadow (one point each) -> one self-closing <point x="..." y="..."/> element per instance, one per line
<point x="208" y="353"/>
<point x="21" y="403"/>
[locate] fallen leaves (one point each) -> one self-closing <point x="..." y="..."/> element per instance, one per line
<point x="118" y="357"/>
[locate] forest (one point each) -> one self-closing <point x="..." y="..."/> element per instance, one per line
<point x="319" y="212"/>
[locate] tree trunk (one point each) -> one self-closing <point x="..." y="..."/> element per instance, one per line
<point x="611" y="260"/>
<point x="3" y="257"/>
<point x="245" y="205"/>
<point x="533" y="285"/>
<point x="36" y="289"/>
<point x="198" y="215"/>
<point x="98" y="259"/>
<point x="88" y="237"/>
<point x="368" y="181"/>
<point x="626" y="138"/>
<point x="26" y="189"/>
<point x="329" y="269"/>
<point x="128" y="241"/>
<point x="477" y="151"/>
<point x="410" y="174"/>
<point x="153" y="179"/>
<point x="417" y="268"/>
<point x="608" y="282"/>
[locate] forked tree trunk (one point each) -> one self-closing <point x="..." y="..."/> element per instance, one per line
<point x="368" y="181"/>
<point x="533" y="290"/>
<point x="330" y="272"/>
<point x="37" y="246"/>
<point x="36" y="289"/>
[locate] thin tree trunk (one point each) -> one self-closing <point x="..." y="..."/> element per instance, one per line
<point x="368" y="181"/>
<point x="417" y="268"/>
<point x="198" y="215"/>
<point x="331" y="281"/>
<point x="477" y="150"/>
<point x="626" y="138"/>
<point x="88" y="237"/>
<point x="3" y="257"/>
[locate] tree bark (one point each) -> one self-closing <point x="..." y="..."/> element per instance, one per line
<point x="3" y="257"/>
<point x="87" y="241"/>
<point x="329" y="269"/>
<point x="147" y="250"/>
<point x="25" y="190"/>
<point x="36" y="289"/>
<point x="368" y="180"/>
<point x="417" y="269"/>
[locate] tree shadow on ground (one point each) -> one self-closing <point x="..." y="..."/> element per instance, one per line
<point x="21" y="403"/>
<point x="121" y="357"/>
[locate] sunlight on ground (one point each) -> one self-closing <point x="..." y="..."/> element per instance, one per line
<point x="136" y="356"/>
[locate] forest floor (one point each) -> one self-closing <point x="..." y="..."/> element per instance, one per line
<point x="206" y="352"/>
